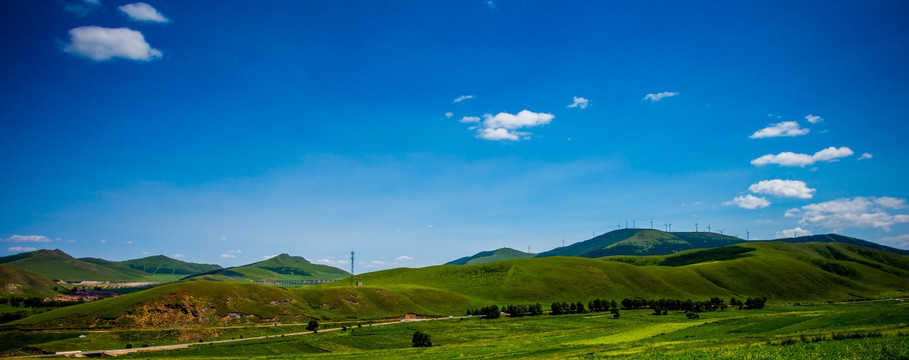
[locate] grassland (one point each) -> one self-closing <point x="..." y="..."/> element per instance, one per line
<point x="777" y="332"/>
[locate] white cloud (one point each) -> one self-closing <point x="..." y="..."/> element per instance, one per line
<point x="103" y="241"/>
<point x="794" y="159"/>
<point x="579" y="102"/>
<point x="499" y="134"/>
<point x="491" y="4"/>
<point x="814" y="119"/>
<point x="901" y="241"/>
<point x="429" y="226"/>
<point x="177" y="256"/>
<point x="230" y="254"/>
<point x="266" y="257"/>
<point x="377" y="262"/>
<point x="469" y="119"/>
<point x="404" y="257"/>
<point x="449" y="114"/>
<point x="749" y="202"/>
<point x="141" y="11"/>
<point x="864" y="156"/>
<point x="223" y="238"/>
<point x="791" y="233"/>
<point x="462" y="98"/>
<point x="860" y="211"/>
<point x="28" y="238"/>
<point x="784" y="188"/>
<point x="332" y="262"/>
<point x="785" y="128"/>
<point x="656" y="97"/>
<point x="525" y="118"/>
<point x="21" y="249"/>
<point x="129" y="242"/>
<point x="100" y="44"/>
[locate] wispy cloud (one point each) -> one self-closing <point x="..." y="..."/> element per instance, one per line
<point x="749" y="202"/>
<point x="578" y="102"/>
<point x="332" y="262"/>
<point x="449" y="114"/>
<point x="865" y="156"/>
<point x="469" y="119"/>
<point x="783" y="188"/>
<point x="28" y="238"/>
<point x="802" y="160"/>
<point x="266" y="257"/>
<point x="230" y="254"/>
<point x="462" y="98"/>
<point x="791" y="233"/>
<point x="141" y="11"/>
<point x="20" y="249"/>
<point x="860" y="211"/>
<point x="660" y="95"/>
<point x="901" y="241"/>
<point x="100" y="44"/>
<point x="404" y="258"/>
<point x="782" y="129"/>
<point x="814" y="119"/>
<point x="177" y="256"/>
<point x="80" y="8"/>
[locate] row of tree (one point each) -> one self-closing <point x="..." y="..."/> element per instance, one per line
<point x="660" y="307"/>
<point x="36" y="302"/>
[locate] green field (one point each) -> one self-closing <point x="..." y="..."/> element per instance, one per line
<point x="776" y="332"/>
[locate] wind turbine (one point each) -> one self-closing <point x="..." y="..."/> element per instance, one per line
<point x="695" y="227"/>
<point x="747" y="235"/>
<point x="721" y="231"/>
<point x="708" y="227"/>
<point x="633" y="225"/>
<point x="651" y="224"/>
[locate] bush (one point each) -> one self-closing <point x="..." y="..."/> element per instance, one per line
<point x="421" y="340"/>
<point x="313" y="325"/>
<point x="129" y="346"/>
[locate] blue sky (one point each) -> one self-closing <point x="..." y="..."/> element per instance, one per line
<point x="417" y="132"/>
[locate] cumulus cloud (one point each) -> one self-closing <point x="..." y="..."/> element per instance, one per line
<point x="177" y="256"/>
<point x="28" y="238"/>
<point x="860" y="211"/>
<point x="749" y="202"/>
<point x="332" y="262"/>
<point x="791" y="233"/>
<point x="505" y="126"/>
<point x="469" y="119"/>
<point x="462" y="98"/>
<point x="785" y="128"/>
<point x="404" y="257"/>
<point x="141" y="11"/>
<point x="901" y="241"/>
<point x="865" y="156"/>
<point x="656" y="97"/>
<point x="266" y="257"/>
<point x="795" y="159"/>
<point x="100" y="44"/>
<point x="578" y="102"/>
<point x="21" y="249"/>
<point x="783" y="188"/>
<point x="814" y="119"/>
<point x="449" y="114"/>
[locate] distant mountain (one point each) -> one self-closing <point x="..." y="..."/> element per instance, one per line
<point x="56" y="264"/>
<point x="160" y="264"/>
<point x="281" y="267"/>
<point x="24" y="283"/>
<point x="490" y="256"/>
<point x="642" y="242"/>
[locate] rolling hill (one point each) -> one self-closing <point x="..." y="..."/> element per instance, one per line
<point x="160" y="264"/>
<point x="56" y="264"/>
<point x="642" y="242"/>
<point x="24" y="283"/>
<point x="281" y="267"/>
<point x="490" y="256"/>
<point x="781" y="271"/>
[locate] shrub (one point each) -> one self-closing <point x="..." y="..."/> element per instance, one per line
<point x="421" y="340"/>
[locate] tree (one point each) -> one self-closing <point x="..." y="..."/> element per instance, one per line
<point x="313" y="325"/>
<point x="421" y="340"/>
<point x="580" y="307"/>
<point x="615" y="312"/>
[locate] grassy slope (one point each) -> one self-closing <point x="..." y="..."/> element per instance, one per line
<point x="780" y="271"/>
<point x="56" y="264"/>
<point x="160" y="264"/>
<point x="492" y="256"/>
<point x="641" y="242"/>
<point x="281" y="267"/>
<point x="24" y="283"/>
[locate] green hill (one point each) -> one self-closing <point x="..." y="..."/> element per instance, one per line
<point x="490" y="256"/>
<point x="281" y="267"/>
<point x="829" y="238"/>
<point x="642" y="242"/>
<point x="783" y="272"/>
<point x="163" y="265"/>
<point x="56" y="264"/>
<point x="24" y="283"/>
